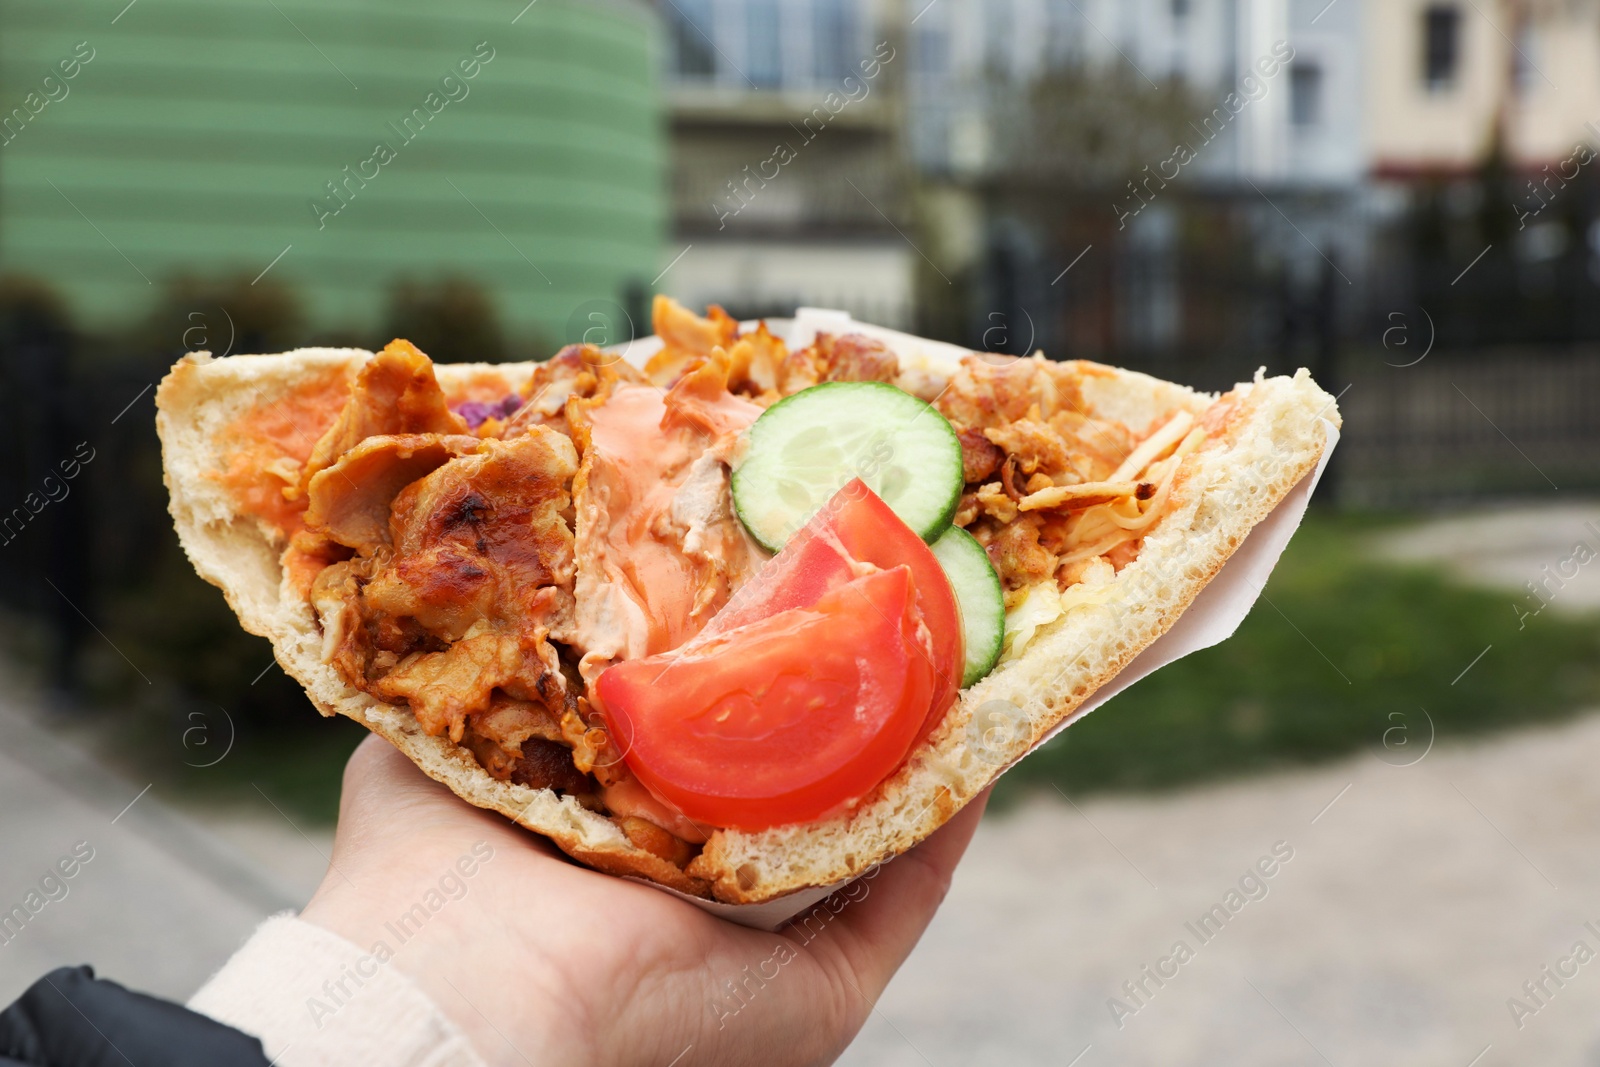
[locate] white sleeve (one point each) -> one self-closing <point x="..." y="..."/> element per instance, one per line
<point x="317" y="1000"/>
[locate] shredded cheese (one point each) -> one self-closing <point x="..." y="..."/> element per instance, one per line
<point x="1154" y="447"/>
<point x="1101" y="528"/>
<point x="1082" y="495"/>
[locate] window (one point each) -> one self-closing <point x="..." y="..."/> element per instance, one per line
<point x="930" y="52"/>
<point x="835" y="45"/>
<point x="692" y="55"/>
<point x="997" y="35"/>
<point x="1441" y="47"/>
<point x="763" y="51"/>
<point x="1525" y="70"/>
<point x="1305" y="94"/>
<point x="1063" y="31"/>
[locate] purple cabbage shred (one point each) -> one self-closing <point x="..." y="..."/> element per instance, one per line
<point x="477" y="412"/>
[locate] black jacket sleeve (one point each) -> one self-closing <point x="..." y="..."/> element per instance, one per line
<point x="70" y="1018"/>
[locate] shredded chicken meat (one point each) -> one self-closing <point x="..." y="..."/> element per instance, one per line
<point x="659" y="547"/>
<point x="1048" y="487"/>
<point x="576" y="372"/>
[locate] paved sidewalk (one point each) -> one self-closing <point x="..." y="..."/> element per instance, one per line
<point x="1505" y="549"/>
<point x="162" y="901"/>
<point x="1419" y="899"/>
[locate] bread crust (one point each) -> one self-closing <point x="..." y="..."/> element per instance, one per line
<point x="1270" y="433"/>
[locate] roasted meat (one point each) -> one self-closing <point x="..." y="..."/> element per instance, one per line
<point x="980" y="457"/>
<point x="576" y="371"/>
<point x="686" y="338"/>
<point x="350" y="500"/>
<point x="529" y="743"/>
<point x="850" y="357"/>
<point x="395" y="393"/>
<point x="659" y="549"/>
<point x="462" y="605"/>
<point x="1037" y="468"/>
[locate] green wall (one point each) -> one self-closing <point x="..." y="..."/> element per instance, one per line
<point x="199" y="134"/>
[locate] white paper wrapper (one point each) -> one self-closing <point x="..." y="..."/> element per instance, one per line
<point x="1211" y="619"/>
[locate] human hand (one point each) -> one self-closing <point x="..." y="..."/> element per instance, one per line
<point x="545" y="962"/>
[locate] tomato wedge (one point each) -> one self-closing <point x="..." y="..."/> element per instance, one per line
<point x="809" y="687"/>
<point x="786" y="717"/>
<point x="871" y="532"/>
<point x="856" y="526"/>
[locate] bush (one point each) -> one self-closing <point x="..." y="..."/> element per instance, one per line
<point x="453" y="320"/>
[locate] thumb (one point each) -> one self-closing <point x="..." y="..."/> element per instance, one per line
<point x="878" y="930"/>
<point x="385" y="796"/>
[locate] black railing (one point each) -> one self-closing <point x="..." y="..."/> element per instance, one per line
<point x="1456" y="425"/>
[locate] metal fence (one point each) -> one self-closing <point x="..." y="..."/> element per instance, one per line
<point x="1448" y="428"/>
<point x="1492" y="422"/>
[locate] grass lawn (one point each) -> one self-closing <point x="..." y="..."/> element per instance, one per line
<point x="1346" y="649"/>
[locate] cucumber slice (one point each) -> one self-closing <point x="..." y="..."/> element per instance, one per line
<point x="806" y="447"/>
<point x="983" y="608"/>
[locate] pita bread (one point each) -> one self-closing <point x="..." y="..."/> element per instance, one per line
<point x="1272" y="434"/>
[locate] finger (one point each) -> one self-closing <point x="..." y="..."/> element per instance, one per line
<point x="387" y="796"/>
<point x="877" y="931"/>
<point x="377" y="776"/>
<point x="372" y="761"/>
<point x="375" y="785"/>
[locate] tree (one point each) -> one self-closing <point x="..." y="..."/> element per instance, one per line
<point x="1091" y="126"/>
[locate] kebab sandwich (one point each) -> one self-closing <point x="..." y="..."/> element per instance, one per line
<point x="734" y="618"/>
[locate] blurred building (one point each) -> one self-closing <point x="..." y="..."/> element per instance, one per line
<point x="1449" y="76"/>
<point x="908" y="208"/>
<point x="335" y="146"/>
<point x="1482" y="127"/>
<point x="1234" y="122"/>
<point x="1301" y="128"/>
<point x="788" y="182"/>
<point x="956" y="190"/>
